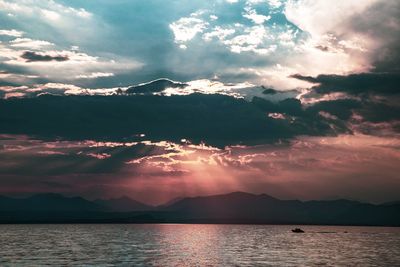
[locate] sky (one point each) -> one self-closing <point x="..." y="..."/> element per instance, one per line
<point x="158" y="99"/>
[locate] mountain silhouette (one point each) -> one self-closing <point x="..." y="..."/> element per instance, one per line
<point x="48" y="202"/>
<point x="243" y="207"/>
<point x="122" y="204"/>
<point x="170" y="202"/>
<point x="236" y="207"/>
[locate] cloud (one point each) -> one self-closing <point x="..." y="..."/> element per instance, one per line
<point x="318" y="17"/>
<point x="330" y="108"/>
<point x="350" y="33"/>
<point x="275" y="3"/>
<point x="29" y="43"/>
<point x="95" y="75"/>
<point x="159" y="119"/>
<point x="67" y="71"/>
<point x="13" y="33"/>
<point x="262" y="42"/>
<point x="252" y="15"/>
<point x="100" y="156"/>
<point x="185" y="29"/>
<point x="219" y="33"/>
<point x="252" y="40"/>
<point x="355" y="84"/>
<point x="217" y="120"/>
<point x="237" y="37"/>
<point x="347" y="166"/>
<point x="56" y="89"/>
<point x="246" y="90"/>
<point x="157" y="86"/>
<point x="59" y="66"/>
<point x="381" y="22"/>
<point x="325" y="38"/>
<point x="13" y="95"/>
<point x="50" y="10"/>
<point x="341" y="158"/>
<point x="84" y="156"/>
<point x="316" y="38"/>
<point x="61" y="25"/>
<point x="31" y="56"/>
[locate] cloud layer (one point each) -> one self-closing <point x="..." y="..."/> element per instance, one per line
<point x="357" y="167"/>
<point x="161" y="99"/>
<point x="262" y="42"/>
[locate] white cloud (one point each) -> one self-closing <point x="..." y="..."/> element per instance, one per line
<point x="185" y="29"/>
<point x="252" y="40"/>
<point x="275" y="3"/>
<point x="50" y="15"/>
<point x="252" y="15"/>
<point x="54" y="89"/>
<point x="318" y="17"/>
<point x="12" y="95"/>
<point x="254" y="2"/>
<point x="29" y="43"/>
<point x="7" y="52"/>
<point x="329" y="45"/>
<point x="95" y="75"/>
<point x="288" y="37"/>
<point x="236" y="37"/>
<point x="56" y="20"/>
<point x="100" y="156"/>
<point x="78" y="65"/>
<point x="219" y="33"/>
<point x="45" y="9"/>
<point x="324" y="41"/>
<point x="13" y="33"/>
<point x="206" y="86"/>
<point x="333" y="46"/>
<point x="213" y="17"/>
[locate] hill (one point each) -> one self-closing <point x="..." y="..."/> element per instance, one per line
<point x="237" y="207"/>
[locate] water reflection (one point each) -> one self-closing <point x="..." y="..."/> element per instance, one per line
<point x="197" y="245"/>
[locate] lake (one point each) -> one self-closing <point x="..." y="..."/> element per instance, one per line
<point x="197" y="245"/>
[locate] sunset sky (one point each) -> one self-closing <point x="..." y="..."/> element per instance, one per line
<point x="156" y="99"/>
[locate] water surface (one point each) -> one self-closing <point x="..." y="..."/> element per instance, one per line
<point x="197" y="245"/>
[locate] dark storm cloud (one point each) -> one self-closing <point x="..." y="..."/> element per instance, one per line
<point x="31" y="157"/>
<point x="307" y="120"/>
<point x="215" y="119"/>
<point x="31" y="56"/>
<point x="355" y="84"/>
<point x="372" y="104"/>
<point x="154" y="87"/>
<point x="382" y="22"/>
<point x="341" y="108"/>
<point x="380" y="112"/>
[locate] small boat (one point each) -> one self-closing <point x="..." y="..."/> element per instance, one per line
<point x="297" y="230"/>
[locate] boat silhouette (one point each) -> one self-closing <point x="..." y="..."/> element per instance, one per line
<point x="297" y="230"/>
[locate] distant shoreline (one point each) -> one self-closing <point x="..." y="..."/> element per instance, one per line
<point x="232" y="208"/>
<point x="183" y="223"/>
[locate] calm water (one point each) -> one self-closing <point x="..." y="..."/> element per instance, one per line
<point x="197" y="245"/>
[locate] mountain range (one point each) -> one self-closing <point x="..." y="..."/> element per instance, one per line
<point x="236" y="207"/>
